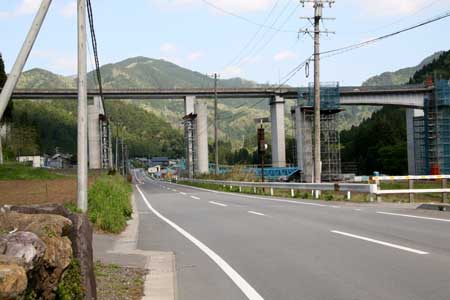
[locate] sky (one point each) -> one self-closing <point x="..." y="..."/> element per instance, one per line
<point x="226" y="36"/>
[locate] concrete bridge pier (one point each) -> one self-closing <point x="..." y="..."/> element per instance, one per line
<point x="304" y="144"/>
<point x="189" y="138"/>
<point x="201" y="124"/>
<point x="411" y="144"/>
<point x="95" y="110"/>
<point x="277" y="105"/>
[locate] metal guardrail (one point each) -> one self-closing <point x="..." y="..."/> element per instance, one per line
<point x="370" y="189"/>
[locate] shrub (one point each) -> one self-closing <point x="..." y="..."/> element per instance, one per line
<point x="109" y="203"/>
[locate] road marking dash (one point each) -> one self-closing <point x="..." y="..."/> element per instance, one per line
<point x="380" y="242"/>
<point x="240" y="282"/>
<point x="217" y="203"/>
<point x="184" y="194"/>
<point x="256" y="213"/>
<point x="412" y="216"/>
<point x="196" y="198"/>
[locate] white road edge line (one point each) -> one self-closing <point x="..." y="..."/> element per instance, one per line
<point x="380" y="242"/>
<point x="217" y="203"/>
<point x="196" y="198"/>
<point x="184" y="194"/>
<point x="240" y="282"/>
<point x="412" y="216"/>
<point x="256" y="213"/>
<point x="255" y="197"/>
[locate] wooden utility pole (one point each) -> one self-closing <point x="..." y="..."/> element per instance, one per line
<point x="315" y="21"/>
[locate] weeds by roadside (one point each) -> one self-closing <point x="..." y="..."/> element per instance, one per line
<point x="109" y="203"/>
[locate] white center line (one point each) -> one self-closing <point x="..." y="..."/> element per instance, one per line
<point x="196" y="198"/>
<point x="380" y="242"/>
<point x="184" y="194"/>
<point x="357" y="209"/>
<point x="240" y="282"/>
<point x="412" y="216"/>
<point x="217" y="203"/>
<point x="256" y="213"/>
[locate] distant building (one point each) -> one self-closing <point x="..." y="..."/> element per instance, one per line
<point x="164" y="162"/>
<point x="60" y="161"/>
<point x="35" y="161"/>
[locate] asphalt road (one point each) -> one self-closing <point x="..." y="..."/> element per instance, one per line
<point x="232" y="246"/>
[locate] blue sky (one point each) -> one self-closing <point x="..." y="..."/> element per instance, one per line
<point x="197" y="36"/>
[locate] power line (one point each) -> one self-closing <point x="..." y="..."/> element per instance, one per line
<point x="250" y="41"/>
<point x="243" y="18"/>
<point x="95" y="49"/>
<point x="345" y="49"/>
<point x="255" y="50"/>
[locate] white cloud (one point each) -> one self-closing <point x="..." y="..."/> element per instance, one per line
<point x="168" y="48"/>
<point x="231" y="71"/>
<point x="69" y="10"/>
<point x="26" y="7"/>
<point x="195" y="56"/>
<point x="237" y="6"/>
<point x="62" y="63"/>
<point x="285" y="55"/>
<point x="392" y="8"/>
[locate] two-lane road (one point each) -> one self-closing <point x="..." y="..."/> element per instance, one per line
<point x="231" y="246"/>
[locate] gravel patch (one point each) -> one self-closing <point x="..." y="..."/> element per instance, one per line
<point x="119" y="283"/>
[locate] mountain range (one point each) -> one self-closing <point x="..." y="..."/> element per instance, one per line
<point x="235" y="116"/>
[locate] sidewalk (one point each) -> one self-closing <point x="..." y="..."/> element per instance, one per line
<point x="160" y="283"/>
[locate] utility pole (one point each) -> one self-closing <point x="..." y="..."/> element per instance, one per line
<point x="82" y="199"/>
<point x="315" y="21"/>
<point x="117" y="149"/>
<point x="22" y="58"/>
<point x="216" y="137"/>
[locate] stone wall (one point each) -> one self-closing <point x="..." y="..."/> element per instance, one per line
<point x="39" y="247"/>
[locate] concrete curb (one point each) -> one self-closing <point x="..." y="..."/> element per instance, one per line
<point x="160" y="283"/>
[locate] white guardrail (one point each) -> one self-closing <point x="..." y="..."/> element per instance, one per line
<point x="373" y="188"/>
<point x="411" y="190"/>
<point x="314" y="187"/>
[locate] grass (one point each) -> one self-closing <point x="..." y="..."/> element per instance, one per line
<point x="16" y="171"/>
<point x="109" y="206"/>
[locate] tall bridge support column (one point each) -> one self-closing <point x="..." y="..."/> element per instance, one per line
<point x="304" y="143"/>
<point x="202" y="138"/>
<point x="299" y="136"/>
<point x="189" y="102"/>
<point x="94" y="134"/>
<point x="411" y="144"/>
<point x="278" y="132"/>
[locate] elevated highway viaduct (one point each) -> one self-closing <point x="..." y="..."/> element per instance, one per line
<point x="411" y="97"/>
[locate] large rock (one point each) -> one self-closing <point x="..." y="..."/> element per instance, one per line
<point x="80" y="234"/>
<point x="40" y="224"/>
<point x="26" y="246"/>
<point x="56" y="260"/>
<point x="13" y="281"/>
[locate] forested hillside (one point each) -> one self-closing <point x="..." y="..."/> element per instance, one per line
<point x="379" y="143"/>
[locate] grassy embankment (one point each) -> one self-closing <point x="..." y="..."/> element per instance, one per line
<point x="335" y="196"/>
<point x="16" y="171"/>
